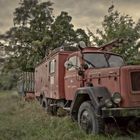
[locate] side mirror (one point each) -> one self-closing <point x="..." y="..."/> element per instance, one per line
<point x="85" y="66"/>
<point x="68" y="64"/>
<point x="82" y="44"/>
<point x="138" y="50"/>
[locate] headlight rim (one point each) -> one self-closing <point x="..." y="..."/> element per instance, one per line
<point x="115" y="97"/>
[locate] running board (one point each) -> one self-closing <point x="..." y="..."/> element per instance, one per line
<point x="66" y="108"/>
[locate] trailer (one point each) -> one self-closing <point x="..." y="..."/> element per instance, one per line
<point x="25" y="84"/>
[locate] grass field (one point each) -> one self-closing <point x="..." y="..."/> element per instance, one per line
<point x="21" y="120"/>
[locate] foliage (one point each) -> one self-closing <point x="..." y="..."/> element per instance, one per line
<point x="62" y="32"/>
<point x="6" y="81"/>
<point x="36" y="31"/>
<point x="115" y="26"/>
<point x="32" y="20"/>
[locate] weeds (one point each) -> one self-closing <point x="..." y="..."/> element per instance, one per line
<point x="20" y="120"/>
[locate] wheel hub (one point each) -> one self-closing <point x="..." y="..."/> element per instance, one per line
<point x="86" y="121"/>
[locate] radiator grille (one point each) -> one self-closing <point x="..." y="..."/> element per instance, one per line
<point x="135" y="81"/>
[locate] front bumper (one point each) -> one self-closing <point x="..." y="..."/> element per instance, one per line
<point x="120" y="112"/>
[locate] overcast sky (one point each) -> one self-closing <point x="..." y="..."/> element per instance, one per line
<point x="85" y="13"/>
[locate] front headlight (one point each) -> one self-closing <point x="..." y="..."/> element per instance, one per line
<point x="116" y="98"/>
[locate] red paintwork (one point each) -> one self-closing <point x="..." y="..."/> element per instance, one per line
<point x="51" y="85"/>
<point x="40" y="77"/>
<point x="108" y="77"/>
<point x="71" y="81"/>
<point x="116" y="79"/>
<point x="130" y="98"/>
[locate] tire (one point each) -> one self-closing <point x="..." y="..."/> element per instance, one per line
<point x="44" y="102"/>
<point x="40" y="100"/>
<point x="88" y="120"/>
<point x="51" y="109"/>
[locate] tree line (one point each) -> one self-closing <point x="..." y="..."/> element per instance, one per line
<point x="36" y="31"/>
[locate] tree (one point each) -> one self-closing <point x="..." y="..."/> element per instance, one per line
<point x="32" y="21"/>
<point x="36" y="31"/>
<point x="22" y="42"/>
<point x="63" y="33"/>
<point x="82" y="36"/>
<point x="115" y="26"/>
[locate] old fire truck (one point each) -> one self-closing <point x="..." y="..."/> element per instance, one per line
<point x="92" y="83"/>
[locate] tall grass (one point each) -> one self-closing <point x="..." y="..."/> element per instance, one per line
<point x="21" y="120"/>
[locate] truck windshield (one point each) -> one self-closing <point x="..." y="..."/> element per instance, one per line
<point x="101" y="60"/>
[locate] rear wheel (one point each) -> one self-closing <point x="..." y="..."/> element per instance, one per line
<point x="51" y="107"/>
<point x="44" y="102"/>
<point x="40" y="100"/>
<point x="88" y="120"/>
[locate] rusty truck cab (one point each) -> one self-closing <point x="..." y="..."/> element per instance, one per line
<point x="106" y="86"/>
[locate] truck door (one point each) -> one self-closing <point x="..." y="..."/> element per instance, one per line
<point x="51" y="79"/>
<point x="71" y="78"/>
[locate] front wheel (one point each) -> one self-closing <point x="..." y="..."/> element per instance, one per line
<point x="88" y="120"/>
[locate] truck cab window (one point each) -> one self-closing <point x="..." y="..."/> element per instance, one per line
<point x="115" y="61"/>
<point x="52" y="66"/>
<point x="75" y="61"/>
<point x="96" y="59"/>
<point x="101" y="60"/>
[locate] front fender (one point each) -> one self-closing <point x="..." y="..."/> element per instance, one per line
<point x="94" y="94"/>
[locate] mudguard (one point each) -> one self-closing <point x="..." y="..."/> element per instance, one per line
<point x="97" y="95"/>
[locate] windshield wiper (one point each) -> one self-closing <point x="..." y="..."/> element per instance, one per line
<point x="107" y="56"/>
<point x="89" y="63"/>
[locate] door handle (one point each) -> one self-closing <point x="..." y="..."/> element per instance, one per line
<point x="112" y="72"/>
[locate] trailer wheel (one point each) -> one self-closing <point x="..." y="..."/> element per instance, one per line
<point x="44" y="102"/>
<point x="51" y="107"/>
<point x="40" y="100"/>
<point x="88" y="120"/>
